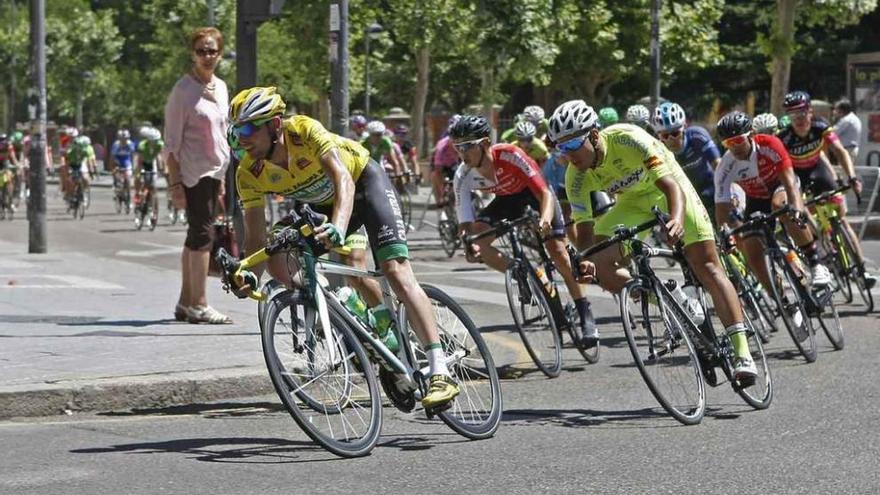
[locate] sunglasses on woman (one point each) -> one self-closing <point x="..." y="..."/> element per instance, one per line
<point x="571" y="145"/>
<point x="205" y="52"/>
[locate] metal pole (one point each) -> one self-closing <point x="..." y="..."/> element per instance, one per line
<point x="211" y="7"/>
<point x="79" y="108"/>
<point x="655" y="52"/>
<point x="339" y="66"/>
<point x="12" y="83"/>
<point x="367" y="73"/>
<point x="37" y="200"/>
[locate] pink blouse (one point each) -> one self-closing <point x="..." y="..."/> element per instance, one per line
<point x="195" y="129"/>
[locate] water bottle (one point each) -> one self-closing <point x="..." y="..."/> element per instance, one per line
<point x="382" y="321"/>
<point x="354" y="303"/>
<point x="689" y="304"/>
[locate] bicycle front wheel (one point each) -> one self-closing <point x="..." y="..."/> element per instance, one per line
<point x="760" y="394"/>
<point x="829" y="320"/>
<point x="476" y="412"/>
<point x="856" y="271"/>
<point x="663" y="352"/>
<point x="533" y="318"/>
<point x="791" y="307"/>
<point x="326" y="384"/>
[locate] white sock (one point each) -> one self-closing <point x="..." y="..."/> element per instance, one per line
<point x="436" y="359"/>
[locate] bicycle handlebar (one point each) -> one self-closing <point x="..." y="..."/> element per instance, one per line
<point x="503" y="227"/>
<point x="826" y="196"/>
<point x="759" y="218"/>
<point x="624" y="233"/>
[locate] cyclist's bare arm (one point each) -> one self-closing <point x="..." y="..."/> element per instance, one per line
<point x="792" y="191"/>
<point x="548" y="206"/>
<point x="255" y="234"/>
<point x="722" y="214"/>
<point x="844" y="160"/>
<point x="344" y="187"/>
<point x="675" y="202"/>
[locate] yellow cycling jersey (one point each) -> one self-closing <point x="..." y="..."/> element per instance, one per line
<point x="304" y="178"/>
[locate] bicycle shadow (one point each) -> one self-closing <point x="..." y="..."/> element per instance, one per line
<point x="648" y="417"/>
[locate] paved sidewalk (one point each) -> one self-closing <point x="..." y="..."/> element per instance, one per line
<point x="84" y="333"/>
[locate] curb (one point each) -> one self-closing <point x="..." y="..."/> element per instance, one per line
<point x="134" y="392"/>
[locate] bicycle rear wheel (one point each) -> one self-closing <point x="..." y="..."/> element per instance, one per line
<point x="405" y="207"/>
<point x="760" y="394"/>
<point x="448" y="229"/>
<point x="329" y="388"/>
<point x="663" y="353"/>
<point x="791" y="307"/>
<point x="856" y="271"/>
<point x="533" y="318"/>
<point x="476" y="412"/>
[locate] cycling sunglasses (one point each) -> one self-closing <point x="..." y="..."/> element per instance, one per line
<point x="466" y="145"/>
<point x="571" y="145"/>
<point x="667" y="135"/>
<point x="735" y="140"/>
<point x="247" y="129"/>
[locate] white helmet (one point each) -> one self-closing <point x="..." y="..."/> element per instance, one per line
<point x="669" y="116"/>
<point x="533" y="113"/>
<point x="72" y="132"/>
<point x="765" y="123"/>
<point x="571" y="117"/>
<point x="376" y="127"/>
<point x="525" y="130"/>
<point x="638" y="114"/>
<point x="83" y="141"/>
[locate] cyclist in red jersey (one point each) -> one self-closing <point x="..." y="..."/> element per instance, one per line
<point x="761" y="165"/>
<point x="508" y="172"/>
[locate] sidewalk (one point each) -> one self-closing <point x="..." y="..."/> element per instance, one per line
<point x="98" y="334"/>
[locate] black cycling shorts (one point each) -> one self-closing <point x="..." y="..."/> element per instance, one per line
<point x="376" y="207"/>
<point x="514" y="206"/>
<point x="818" y="179"/>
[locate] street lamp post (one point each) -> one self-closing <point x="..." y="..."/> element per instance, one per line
<point x="80" y="97"/>
<point x="372" y="31"/>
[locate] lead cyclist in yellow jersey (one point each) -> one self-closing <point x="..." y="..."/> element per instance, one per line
<point x="624" y="160"/>
<point x="299" y="158"/>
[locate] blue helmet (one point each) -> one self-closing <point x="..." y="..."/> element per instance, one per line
<point x="669" y="116"/>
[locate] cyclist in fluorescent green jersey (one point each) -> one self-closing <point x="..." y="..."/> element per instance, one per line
<point x="626" y="161"/>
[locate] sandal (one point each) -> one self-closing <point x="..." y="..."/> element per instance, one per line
<point x="207" y="314"/>
<point x="180" y="313"/>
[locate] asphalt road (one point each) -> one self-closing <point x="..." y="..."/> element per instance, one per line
<point x="595" y="429"/>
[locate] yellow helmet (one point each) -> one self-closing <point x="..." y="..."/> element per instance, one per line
<point x="255" y="103"/>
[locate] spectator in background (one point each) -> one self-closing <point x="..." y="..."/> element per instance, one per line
<point x="848" y="127"/>
<point x="198" y="156"/>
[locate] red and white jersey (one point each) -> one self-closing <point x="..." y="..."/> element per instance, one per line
<point x="758" y="175"/>
<point x="514" y="172"/>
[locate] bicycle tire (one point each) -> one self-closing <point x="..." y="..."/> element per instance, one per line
<point x="760" y="394"/>
<point x="836" y="263"/>
<point x="829" y="319"/>
<point x="405" y="207"/>
<point x="308" y="407"/>
<point x="804" y="338"/>
<point x="476" y="412"/>
<point x="590" y="354"/>
<point x="857" y="272"/>
<point x="542" y="341"/>
<point x="688" y="406"/>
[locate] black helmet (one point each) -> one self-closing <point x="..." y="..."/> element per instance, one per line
<point x="733" y="124"/>
<point x="796" y="99"/>
<point x="470" y="127"/>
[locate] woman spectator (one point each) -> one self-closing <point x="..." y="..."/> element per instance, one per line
<point x="198" y="155"/>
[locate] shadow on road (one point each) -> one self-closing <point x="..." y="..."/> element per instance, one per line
<point x="580" y="418"/>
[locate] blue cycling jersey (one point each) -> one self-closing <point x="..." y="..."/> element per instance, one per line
<point x="123" y="154"/>
<point x="696" y="159"/>
<point x="554" y="172"/>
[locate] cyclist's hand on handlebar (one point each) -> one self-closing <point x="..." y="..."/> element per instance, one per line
<point x="243" y="283"/>
<point x="856" y="184"/>
<point x="585" y="271"/>
<point x="674" y="231"/>
<point x="544" y="227"/>
<point x="329" y="235"/>
<point x="472" y="252"/>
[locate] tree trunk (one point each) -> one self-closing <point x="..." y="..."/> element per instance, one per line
<point x="423" y="72"/>
<point x="782" y="43"/>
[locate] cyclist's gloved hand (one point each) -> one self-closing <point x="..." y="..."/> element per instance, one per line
<point x="799" y="217"/>
<point x="243" y="284"/>
<point x="329" y="235"/>
<point x="674" y="231"/>
<point x="472" y="252"/>
<point x="586" y="271"/>
<point x="856" y="184"/>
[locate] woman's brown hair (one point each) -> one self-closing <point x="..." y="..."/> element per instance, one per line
<point x="206" y="32"/>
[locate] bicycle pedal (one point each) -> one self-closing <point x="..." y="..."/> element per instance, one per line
<point x="430" y="412"/>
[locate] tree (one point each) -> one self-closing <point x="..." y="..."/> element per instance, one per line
<point x="790" y="14"/>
